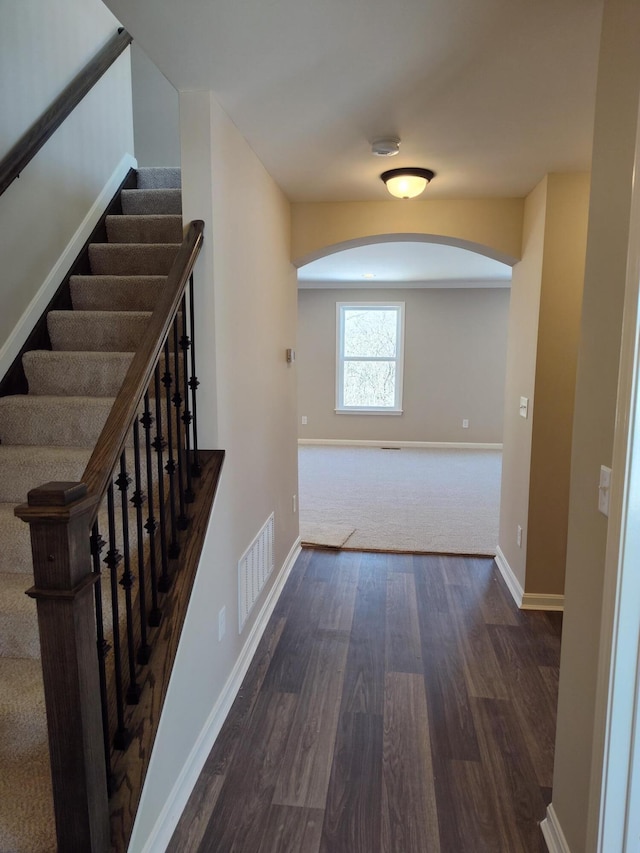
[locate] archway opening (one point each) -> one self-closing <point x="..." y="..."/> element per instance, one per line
<point x="427" y="315"/>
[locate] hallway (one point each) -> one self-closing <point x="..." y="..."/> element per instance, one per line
<point x="396" y="703"/>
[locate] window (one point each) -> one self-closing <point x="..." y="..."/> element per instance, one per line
<point x="370" y="347"/>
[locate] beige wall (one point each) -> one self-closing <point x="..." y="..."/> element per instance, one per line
<point x="520" y="382"/>
<point x="490" y="226"/>
<point x="156" y="113"/>
<point x="42" y="46"/>
<point x="455" y="350"/>
<point x="565" y="239"/>
<point x="246" y="320"/>
<point x="541" y="365"/>
<point x="608" y="235"/>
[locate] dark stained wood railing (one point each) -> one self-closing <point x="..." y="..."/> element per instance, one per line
<point x="86" y="702"/>
<point x="112" y="439"/>
<point x="25" y="149"/>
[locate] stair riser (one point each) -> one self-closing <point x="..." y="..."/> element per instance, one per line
<point x="144" y="229"/>
<point x="75" y="374"/>
<point x="108" y="332"/>
<point x="131" y="259"/>
<point x="25" y="471"/>
<point x="159" y="177"/>
<point x="115" y="293"/>
<point x="19" y="636"/>
<point x="49" y="421"/>
<point x="152" y="201"/>
<point x="15" y="554"/>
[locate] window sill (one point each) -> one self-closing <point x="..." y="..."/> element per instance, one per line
<point x="368" y="411"/>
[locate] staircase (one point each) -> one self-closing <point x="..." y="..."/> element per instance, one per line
<point x="48" y="435"/>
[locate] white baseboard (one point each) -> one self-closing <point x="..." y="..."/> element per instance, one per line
<point x="47" y="289"/>
<point x="168" y="818"/>
<point x="526" y="600"/>
<point x="512" y="582"/>
<point x="442" y="445"/>
<point x="533" y="601"/>
<point x="553" y="834"/>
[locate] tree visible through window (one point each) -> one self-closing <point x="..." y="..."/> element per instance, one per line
<point x="369" y="363"/>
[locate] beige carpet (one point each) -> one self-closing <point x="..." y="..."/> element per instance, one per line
<point x="417" y="500"/>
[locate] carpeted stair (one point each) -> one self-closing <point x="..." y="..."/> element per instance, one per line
<point x="49" y="434"/>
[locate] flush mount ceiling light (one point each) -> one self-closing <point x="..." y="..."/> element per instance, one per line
<point x="387" y="146"/>
<point x="407" y="183"/>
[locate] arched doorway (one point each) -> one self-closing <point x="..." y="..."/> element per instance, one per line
<point x="450" y="345"/>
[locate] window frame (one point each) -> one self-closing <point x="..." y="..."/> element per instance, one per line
<point x="341" y="359"/>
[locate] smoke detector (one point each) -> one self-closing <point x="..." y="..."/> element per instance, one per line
<point x="387" y="146"/>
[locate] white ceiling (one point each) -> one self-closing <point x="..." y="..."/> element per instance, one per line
<point x="406" y="264"/>
<point x="490" y="94"/>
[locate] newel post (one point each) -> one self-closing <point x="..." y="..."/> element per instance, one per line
<point x="59" y="515"/>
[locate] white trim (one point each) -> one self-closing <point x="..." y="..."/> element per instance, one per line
<point x="542" y="601"/>
<point x="438" y="445"/>
<point x="432" y="284"/>
<point x="512" y="582"/>
<point x="526" y="600"/>
<point x="370" y="411"/>
<point x="165" y="825"/>
<point x="47" y="289"/>
<point x="613" y="779"/>
<point x="398" y="359"/>
<point x="553" y="834"/>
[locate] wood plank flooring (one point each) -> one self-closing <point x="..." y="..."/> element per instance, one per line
<point x="396" y="704"/>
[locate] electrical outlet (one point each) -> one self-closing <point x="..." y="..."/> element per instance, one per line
<point x="222" y="623"/>
<point x="304" y="420"/>
<point x="519" y="537"/>
<point x="465" y="423"/>
<point x="295" y="503"/>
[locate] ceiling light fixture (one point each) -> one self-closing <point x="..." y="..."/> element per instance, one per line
<point x="387" y="146"/>
<point x="407" y="183"/>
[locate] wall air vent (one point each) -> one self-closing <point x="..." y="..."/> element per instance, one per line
<point x="254" y="568"/>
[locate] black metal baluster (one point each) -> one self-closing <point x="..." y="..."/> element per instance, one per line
<point x="97" y="543"/>
<point x="151" y="525"/>
<point x="183" y="520"/>
<point x="164" y="582"/>
<point x="138" y="500"/>
<point x="193" y="383"/>
<point x="126" y="581"/>
<point x="122" y="737"/>
<point x="170" y="467"/>
<point x="185" y="344"/>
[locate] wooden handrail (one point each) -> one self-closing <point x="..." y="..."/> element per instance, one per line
<point x="33" y="139"/>
<point x="99" y="471"/>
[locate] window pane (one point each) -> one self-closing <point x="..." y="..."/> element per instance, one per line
<point x="370" y="332"/>
<point x="369" y="383"/>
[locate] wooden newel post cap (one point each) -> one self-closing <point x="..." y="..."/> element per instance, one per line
<point x="56" y="493"/>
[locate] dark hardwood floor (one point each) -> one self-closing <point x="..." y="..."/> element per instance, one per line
<point x="396" y="704"/>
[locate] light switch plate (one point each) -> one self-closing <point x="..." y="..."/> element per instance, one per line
<point x="604" y="489"/>
<point x="524" y="407"/>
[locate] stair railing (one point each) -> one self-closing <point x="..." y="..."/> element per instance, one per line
<point x="94" y="630"/>
<point x="26" y="148"/>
